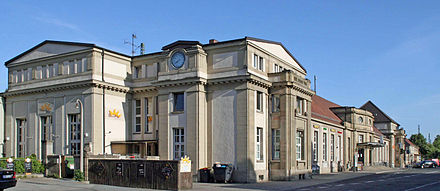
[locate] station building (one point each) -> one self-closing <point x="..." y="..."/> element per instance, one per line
<point x="244" y="102"/>
<point x="345" y="137"/>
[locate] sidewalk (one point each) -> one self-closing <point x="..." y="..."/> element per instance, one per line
<point x="51" y="184"/>
<point x="294" y="184"/>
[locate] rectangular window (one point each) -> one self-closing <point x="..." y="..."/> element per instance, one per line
<point x="147" y="116"/>
<point x="339" y="148"/>
<point x="275" y="103"/>
<point x="324" y="146"/>
<point x="137" y="72"/>
<point x="137" y="123"/>
<point x="275" y="68"/>
<point x="255" y="61"/>
<point x="349" y="148"/>
<point x="75" y="133"/>
<point x="315" y="146"/>
<point x="179" y="100"/>
<point x="299" y="145"/>
<point x="361" y="138"/>
<point x="46" y="125"/>
<point x="276" y="139"/>
<point x="259" y="144"/>
<point x="280" y="69"/>
<point x="259" y="101"/>
<point x="157" y="104"/>
<point x="179" y="143"/>
<point x="300" y="106"/>
<point x="72" y="67"/>
<point x="332" y="147"/>
<point x="261" y="64"/>
<point x="20" y="137"/>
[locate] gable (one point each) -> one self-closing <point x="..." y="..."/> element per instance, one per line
<point x="278" y="50"/>
<point x="49" y="48"/>
<point x="379" y="115"/>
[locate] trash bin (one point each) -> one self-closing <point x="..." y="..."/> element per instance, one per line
<point x="205" y="174"/>
<point x="222" y="172"/>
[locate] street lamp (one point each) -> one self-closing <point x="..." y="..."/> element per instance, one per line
<point x="80" y="105"/>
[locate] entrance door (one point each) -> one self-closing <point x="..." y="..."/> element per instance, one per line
<point x="361" y="155"/>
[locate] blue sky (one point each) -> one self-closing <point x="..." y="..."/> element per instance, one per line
<point x="384" y="51"/>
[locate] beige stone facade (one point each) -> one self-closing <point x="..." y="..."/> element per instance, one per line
<point x="244" y="102"/>
<point x="211" y="102"/>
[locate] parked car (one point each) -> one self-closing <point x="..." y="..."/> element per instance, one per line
<point x="7" y="178"/>
<point x="428" y="164"/>
<point x="417" y="165"/>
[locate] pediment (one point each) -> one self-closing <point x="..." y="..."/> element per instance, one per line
<point x="278" y="50"/>
<point x="49" y="48"/>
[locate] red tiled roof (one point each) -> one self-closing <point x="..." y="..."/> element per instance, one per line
<point x="321" y="110"/>
<point x="410" y="143"/>
<point x="377" y="131"/>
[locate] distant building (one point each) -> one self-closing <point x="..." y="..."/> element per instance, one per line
<point x="412" y="153"/>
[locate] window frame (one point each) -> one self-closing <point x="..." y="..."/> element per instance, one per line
<point x="332" y="147"/>
<point x="259" y="144"/>
<point x="276" y="105"/>
<point x="74" y="133"/>
<point x="259" y="101"/>
<point x="276" y="144"/>
<point x="146" y="112"/>
<point x="299" y="142"/>
<point x="179" y="135"/>
<point x="176" y="101"/>
<point x="137" y="127"/>
<point x="324" y="146"/>
<point x="315" y="146"/>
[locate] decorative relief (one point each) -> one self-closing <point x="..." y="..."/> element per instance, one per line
<point x="114" y="113"/>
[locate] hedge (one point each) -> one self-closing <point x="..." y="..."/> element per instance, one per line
<point x="37" y="166"/>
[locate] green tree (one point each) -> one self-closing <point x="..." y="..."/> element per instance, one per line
<point x="420" y="141"/>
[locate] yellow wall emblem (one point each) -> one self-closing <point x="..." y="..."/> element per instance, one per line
<point x="45" y="107"/>
<point x="114" y="113"/>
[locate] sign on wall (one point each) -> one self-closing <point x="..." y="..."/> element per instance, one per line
<point x="45" y="108"/>
<point x="185" y="164"/>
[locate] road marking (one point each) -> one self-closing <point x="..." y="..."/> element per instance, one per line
<point x="370" y="181"/>
<point x="340" y="185"/>
<point x="418" y="187"/>
<point x="322" y="187"/>
<point x="354" y="183"/>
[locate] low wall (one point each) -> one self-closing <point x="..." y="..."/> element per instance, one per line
<point x="139" y="173"/>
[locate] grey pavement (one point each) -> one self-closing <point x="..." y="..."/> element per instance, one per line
<point x="374" y="179"/>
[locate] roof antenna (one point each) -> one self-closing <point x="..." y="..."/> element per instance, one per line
<point x="314" y="82"/>
<point x="134" y="46"/>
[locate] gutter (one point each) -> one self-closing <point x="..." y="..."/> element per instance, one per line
<point x="103" y="103"/>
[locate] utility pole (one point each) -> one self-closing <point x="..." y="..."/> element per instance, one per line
<point x="429" y="138"/>
<point x="418" y="129"/>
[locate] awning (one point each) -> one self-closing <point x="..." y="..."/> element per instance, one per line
<point x="370" y="144"/>
<point x="134" y="142"/>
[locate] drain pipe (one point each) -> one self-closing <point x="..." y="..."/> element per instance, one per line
<point x="103" y="103"/>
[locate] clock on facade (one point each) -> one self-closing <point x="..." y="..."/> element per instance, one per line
<point x="177" y="60"/>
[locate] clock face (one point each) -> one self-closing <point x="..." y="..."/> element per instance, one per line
<point x="177" y="60"/>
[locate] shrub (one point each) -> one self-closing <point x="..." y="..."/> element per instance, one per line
<point x="37" y="165"/>
<point x="78" y="175"/>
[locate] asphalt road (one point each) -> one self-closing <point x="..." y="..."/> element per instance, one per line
<point x="410" y="180"/>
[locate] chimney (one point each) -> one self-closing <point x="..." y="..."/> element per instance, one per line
<point x="212" y="41"/>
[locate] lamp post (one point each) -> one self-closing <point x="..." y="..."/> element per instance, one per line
<point x="80" y="105"/>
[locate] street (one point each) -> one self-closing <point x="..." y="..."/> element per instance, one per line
<point x="402" y="180"/>
<point x="414" y="179"/>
